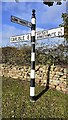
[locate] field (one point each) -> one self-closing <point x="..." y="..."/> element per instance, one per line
<point x="16" y="101"/>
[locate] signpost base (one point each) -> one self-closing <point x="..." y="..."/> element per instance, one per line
<point x="32" y="99"/>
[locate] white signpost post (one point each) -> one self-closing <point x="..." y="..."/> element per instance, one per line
<point x="57" y="32"/>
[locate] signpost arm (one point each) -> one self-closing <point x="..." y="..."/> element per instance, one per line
<point x="33" y="34"/>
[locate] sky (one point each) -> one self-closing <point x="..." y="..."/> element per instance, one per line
<point x="46" y="18"/>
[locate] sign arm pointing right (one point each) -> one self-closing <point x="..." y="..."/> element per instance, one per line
<point x="21" y="21"/>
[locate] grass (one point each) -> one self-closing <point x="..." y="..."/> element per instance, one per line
<point x="16" y="101"/>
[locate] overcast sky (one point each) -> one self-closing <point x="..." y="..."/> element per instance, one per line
<point x="46" y="18"/>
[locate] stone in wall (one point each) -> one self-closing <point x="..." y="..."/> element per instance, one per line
<point x="57" y="74"/>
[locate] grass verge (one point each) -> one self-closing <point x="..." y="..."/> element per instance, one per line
<point x="16" y="101"/>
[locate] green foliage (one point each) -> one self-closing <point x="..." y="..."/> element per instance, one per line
<point x="50" y="3"/>
<point x="22" y="56"/>
<point x="65" y="20"/>
<point x="14" y="55"/>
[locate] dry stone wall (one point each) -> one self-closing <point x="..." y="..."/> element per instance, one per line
<point x="51" y="76"/>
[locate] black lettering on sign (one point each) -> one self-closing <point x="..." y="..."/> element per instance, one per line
<point x="45" y="33"/>
<point x="53" y="34"/>
<point x="19" y="38"/>
<point x="42" y="34"/>
<point x="14" y="19"/>
<point x="22" y="22"/>
<point x="38" y="33"/>
<point x="60" y="32"/>
<point x="27" y="37"/>
<point x="23" y="37"/>
<point x="15" y="39"/>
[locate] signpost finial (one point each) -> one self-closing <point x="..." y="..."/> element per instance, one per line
<point x="33" y="12"/>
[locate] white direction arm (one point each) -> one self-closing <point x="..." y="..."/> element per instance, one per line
<point x="57" y="32"/>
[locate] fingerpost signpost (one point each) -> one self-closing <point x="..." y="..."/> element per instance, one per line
<point x="33" y="36"/>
